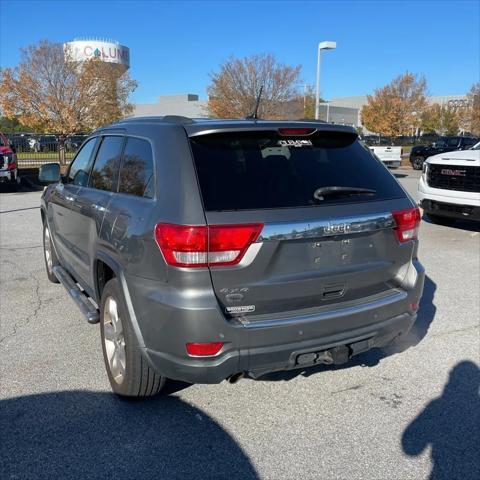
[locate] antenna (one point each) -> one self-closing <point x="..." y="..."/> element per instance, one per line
<point x="254" y="114"/>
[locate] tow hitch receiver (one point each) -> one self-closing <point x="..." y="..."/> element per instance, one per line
<point x="337" y="356"/>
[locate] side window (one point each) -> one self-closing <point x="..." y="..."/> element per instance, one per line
<point x="78" y="173"/>
<point x="136" y="174"/>
<point x="105" y="169"/>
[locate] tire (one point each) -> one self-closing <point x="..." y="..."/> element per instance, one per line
<point x="49" y="254"/>
<point x="128" y="372"/>
<point x="439" y="220"/>
<point x="15" y="183"/>
<point x="417" y="163"/>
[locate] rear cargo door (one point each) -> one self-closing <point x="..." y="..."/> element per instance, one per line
<point x="324" y="206"/>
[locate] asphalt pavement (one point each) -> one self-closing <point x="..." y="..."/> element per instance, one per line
<point x="409" y="412"/>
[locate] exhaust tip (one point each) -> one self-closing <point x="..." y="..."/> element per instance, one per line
<point x="235" y="377"/>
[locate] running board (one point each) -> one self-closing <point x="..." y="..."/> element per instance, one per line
<point x="80" y="298"/>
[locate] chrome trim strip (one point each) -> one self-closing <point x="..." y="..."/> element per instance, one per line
<point x="329" y="314"/>
<point x="327" y="228"/>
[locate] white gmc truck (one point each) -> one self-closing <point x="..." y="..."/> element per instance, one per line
<point x="390" y="156"/>
<point x="449" y="187"/>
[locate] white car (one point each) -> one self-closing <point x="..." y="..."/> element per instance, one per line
<point x="449" y="187"/>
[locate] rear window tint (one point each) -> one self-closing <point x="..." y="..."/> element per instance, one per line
<point x="136" y="174"/>
<point x="261" y="170"/>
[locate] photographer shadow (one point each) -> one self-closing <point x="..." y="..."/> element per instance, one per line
<point x="450" y="425"/>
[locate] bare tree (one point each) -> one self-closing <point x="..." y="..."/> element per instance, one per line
<point x="48" y="93"/>
<point x="396" y="108"/>
<point x="234" y="89"/>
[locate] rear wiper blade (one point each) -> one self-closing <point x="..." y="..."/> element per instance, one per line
<point x="322" y="192"/>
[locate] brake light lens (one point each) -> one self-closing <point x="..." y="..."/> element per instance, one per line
<point x="204" y="349"/>
<point x="408" y="222"/>
<point x="204" y="246"/>
<point x="296" y="131"/>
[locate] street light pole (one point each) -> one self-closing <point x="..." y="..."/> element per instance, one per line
<point x="321" y="46"/>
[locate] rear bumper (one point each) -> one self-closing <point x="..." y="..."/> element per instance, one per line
<point x="265" y="346"/>
<point x="392" y="163"/>
<point x="261" y="360"/>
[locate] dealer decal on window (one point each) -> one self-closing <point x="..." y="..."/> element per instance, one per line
<point x="295" y="143"/>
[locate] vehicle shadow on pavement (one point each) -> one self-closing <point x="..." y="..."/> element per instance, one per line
<point x="24" y="186"/>
<point x="426" y="314"/>
<point x="468" y="225"/>
<point x="81" y="434"/>
<point x="449" y="424"/>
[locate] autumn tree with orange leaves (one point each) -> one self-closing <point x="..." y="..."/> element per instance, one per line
<point x="50" y="94"/>
<point x="471" y="116"/>
<point x="396" y="109"/>
<point x="443" y="119"/>
<point x="234" y="88"/>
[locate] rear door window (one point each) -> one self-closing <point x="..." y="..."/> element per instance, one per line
<point x="263" y="169"/>
<point x="105" y="169"/>
<point x="136" y="174"/>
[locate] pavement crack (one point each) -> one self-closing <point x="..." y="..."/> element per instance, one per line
<point x="354" y="387"/>
<point x="13" y="249"/>
<point x="460" y="330"/>
<point x="38" y="306"/>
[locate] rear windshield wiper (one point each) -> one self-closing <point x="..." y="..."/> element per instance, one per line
<point x="322" y="192"/>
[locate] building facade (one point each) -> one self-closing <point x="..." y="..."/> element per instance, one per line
<point x="185" y="105"/>
<point x="339" y="110"/>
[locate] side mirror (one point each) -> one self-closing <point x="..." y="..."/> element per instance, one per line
<point x="49" y="173"/>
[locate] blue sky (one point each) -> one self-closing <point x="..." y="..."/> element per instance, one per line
<point x="175" y="45"/>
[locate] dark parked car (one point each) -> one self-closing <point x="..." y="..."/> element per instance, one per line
<point x="212" y="249"/>
<point x="420" y="153"/>
<point x="19" y="141"/>
<point x="72" y="143"/>
<point x="48" y="143"/>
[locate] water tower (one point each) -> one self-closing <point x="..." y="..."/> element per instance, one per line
<point x="106" y="50"/>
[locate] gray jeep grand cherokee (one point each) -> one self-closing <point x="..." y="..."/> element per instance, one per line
<point x="211" y="249"/>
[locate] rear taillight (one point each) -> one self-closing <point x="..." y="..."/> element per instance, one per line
<point x="204" y="349"/>
<point x="203" y="246"/>
<point x="407" y="222"/>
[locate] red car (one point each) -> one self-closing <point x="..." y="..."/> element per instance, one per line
<point x="8" y="162"/>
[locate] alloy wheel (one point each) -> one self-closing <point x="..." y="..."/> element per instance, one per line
<point x="114" y="340"/>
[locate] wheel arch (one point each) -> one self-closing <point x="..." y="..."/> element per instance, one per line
<point x="103" y="258"/>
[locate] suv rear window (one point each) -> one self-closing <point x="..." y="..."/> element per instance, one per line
<point x="263" y="169"/>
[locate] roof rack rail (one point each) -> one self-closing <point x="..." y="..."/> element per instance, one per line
<point x="165" y="118"/>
